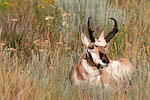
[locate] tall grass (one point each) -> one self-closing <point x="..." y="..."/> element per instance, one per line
<point x="40" y="43"/>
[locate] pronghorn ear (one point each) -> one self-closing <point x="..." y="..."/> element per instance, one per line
<point x="101" y="37"/>
<point x="84" y="39"/>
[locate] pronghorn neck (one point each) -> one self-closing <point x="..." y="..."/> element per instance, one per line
<point x="91" y="62"/>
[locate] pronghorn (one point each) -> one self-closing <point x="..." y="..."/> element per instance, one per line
<point x="94" y="68"/>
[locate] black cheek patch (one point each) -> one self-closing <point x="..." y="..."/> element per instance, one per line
<point x="90" y="57"/>
<point x="104" y="58"/>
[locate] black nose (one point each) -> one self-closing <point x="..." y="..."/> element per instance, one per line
<point x="104" y="58"/>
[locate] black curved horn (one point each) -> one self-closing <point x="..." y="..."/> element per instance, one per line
<point x="113" y="32"/>
<point x="90" y="31"/>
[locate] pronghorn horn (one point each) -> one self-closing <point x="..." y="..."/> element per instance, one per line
<point x="90" y="31"/>
<point x="113" y="32"/>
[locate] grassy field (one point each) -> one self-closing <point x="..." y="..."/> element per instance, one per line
<point x="40" y="42"/>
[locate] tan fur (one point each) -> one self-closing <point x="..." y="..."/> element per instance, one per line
<point x="112" y="73"/>
<point x="106" y="75"/>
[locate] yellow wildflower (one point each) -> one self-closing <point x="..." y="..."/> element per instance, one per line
<point x="40" y="6"/>
<point x="138" y="53"/>
<point x="123" y="25"/>
<point x="121" y="33"/>
<point x="6" y="3"/>
<point x="116" y="34"/>
<point x="58" y="9"/>
<point x="51" y="1"/>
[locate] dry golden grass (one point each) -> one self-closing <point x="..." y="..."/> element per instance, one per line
<point x="40" y="43"/>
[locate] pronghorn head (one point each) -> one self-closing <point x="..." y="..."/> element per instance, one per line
<point x="96" y="48"/>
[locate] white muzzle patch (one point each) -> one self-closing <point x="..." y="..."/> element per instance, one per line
<point x="97" y="59"/>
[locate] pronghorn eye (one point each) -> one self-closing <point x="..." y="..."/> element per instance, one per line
<point x="91" y="47"/>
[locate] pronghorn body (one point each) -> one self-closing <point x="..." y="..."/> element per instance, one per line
<point x="115" y="72"/>
<point x="95" y="69"/>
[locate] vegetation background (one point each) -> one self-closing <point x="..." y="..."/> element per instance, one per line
<point x="40" y="43"/>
